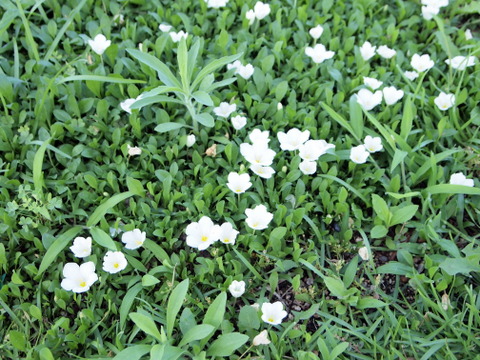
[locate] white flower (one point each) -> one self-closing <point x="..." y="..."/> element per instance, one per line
<point x="428" y="12"/>
<point x="261" y="339"/>
<point x="228" y="234"/>
<point x="216" y="3"/>
<point x="265" y="172"/>
<point x="177" y="36"/>
<point x="237" y="288"/>
<point x="261" y="10"/>
<point x="133" y="239"/>
<point x="368" y="100"/>
<point x="257" y="154"/>
<point x="367" y="50"/>
<point x="273" y="313"/>
<point x="78" y="278"/>
<point x="225" y="109"/>
<point x="372" y="144"/>
<point x="238" y="183"/>
<point x="190" y="140"/>
<point x="114" y="262"/>
<point x="258" y="218"/>
<point x="250" y="16"/>
<point x="444" y="101"/>
<point x="363" y="252"/>
<point x="392" y="95"/>
<point x="258" y="137"/>
<point x="316" y="32"/>
<point x="292" y="139"/>
<point x="245" y="71"/>
<point x="279" y="106"/>
<point x="238" y="122"/>
<point x="202" y="234"/>
<point x="421" y="63"/>
<point x="460" y="179"/>
<point x="132" y="151"/>
<point x="82" y="247"/>
<point x="99" y="44"/>
<point x="461" y="62"/>
<point x="359" y="154"/>
<point x="313" y="149"/>
<point x="235" y="65"/>
<point x="319" y="53"/>
<point x="411" y="75"/>
<point x="385" y="52"/>
<point x="468" y="35"/>
<point x="165" y="27"/>
<point x="308" y="167"/>
<point x="126" y="104"/>
<point x="372" y="83"/>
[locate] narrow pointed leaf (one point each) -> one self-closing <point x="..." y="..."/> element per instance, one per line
<point x="164" y="73"/>
<point x="175" y="302"/>
<point x="214" y="65"/>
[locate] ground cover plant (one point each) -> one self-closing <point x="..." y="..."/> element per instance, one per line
<point x="294" y="179"/>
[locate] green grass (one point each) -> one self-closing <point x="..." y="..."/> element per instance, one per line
<point x="65" y="172"/>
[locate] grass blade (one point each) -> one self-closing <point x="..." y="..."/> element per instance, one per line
<point x="102" y="209"/>
<point x="212" y="66"/>
<point x="175" y="302"/>
<point x="31" y="44"/>
<point x="111" y="79"/>
<point x="38" y="181"/>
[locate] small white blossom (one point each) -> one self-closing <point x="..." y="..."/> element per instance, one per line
<point x="313" y="149"/>
<point x="293" y="139"/>
<point x="114" y="262"/>
<point x="237" y="288"/>
<point x="257" y="154"/>
<point x="99" y="44"/>
<point x="372" y="83"/>
<point x="78" y="278"/>
<point x="165" y="27"/>
<point x="428" y="12"/>
<point x="392" y="95"/>
<point x="437" y="3"/>
<point x="250" y="16"/>
<point x="359" y="154"/>
<point x="316" y="32"/>
<point x="133" y="239"/>
<point x="468" y="35"/>
<point x="238" y="122"/>
<point x="133" y="151"/>
<point x="259" y="137"/>
<point x="368" y="100"/>
<point x="372" y="144"/>
<point x="385" y="52"/>
<point x="190" y="140"/>
<point x="461" y="62"/>
<point x="460" y="179"/>
<point x="246" y="71"/>
<point x="177" y="36"/>
<point x="411" y="75"/>
<point x="202" y="234"/>
<point x="82" y="247"/>
<point x="444" y="101"/>
<point x="273" y="313"/>
<point x="228" y="234"/>
<point x="216" y="3"/>
<point x="265" y="172"/>
<point x="225" y="109"/>
<point x="258" y="218"/>
<point x="319" y="53"/>
<point x="238" y="183"/>
<point x="421" y="63"/>
<point x="367" y="50"/>
<point x="308" y="167"/>
<point x="279" y="106"/>
<point x="261" y="10"/>
<point x="261" y="339"/>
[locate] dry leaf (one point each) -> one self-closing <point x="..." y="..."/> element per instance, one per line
<point x="211" y="151"/>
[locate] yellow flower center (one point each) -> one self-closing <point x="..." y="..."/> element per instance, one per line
<point x="83" y="284"/>
<point x="270" y="319"/>
<point x="139" y="242"/>
<point x="204" y="238"/>
<point x="226" y="240"/>
<point x="116" y="265"/>
<point x="255" y="225"/>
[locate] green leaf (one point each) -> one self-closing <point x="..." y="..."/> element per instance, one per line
<point x="307" y="314"/>
<point x="205" y="119"/>
<point x="397" y="159"/>
<point x="153" y="100"/>
<point x="165" y="352"/>
<point x="103" y="239"/>
<point x="182" y="60"/>
<point x="175" y="302"/>
<point x="102" y="209"/>
<point x="226" y="344"/>
<point x="127" y="302"/>
<point x="192" y="56"/>
<point x="338" y="350"/>
<point x="381" y="209"/>
<point x="169" y="126"/>
<point x="203" y="98"/>
<point x="350" y="271"/>
<point x="38" y="181"/>
<point x="198" y="332"/>
<point x="149" y="280"/>
<point x="281" y="90"/>
<point x="146" y="324"/>
<point x="356" y="117"/>
<point x="369" y="303"/>
<point x="212" y="66"/>
<point x="276" y="238"/>
<point x="460" y="266"/>
<point x="135" y="186"/>
<point x="164" y="73"/>
<point x="407" y="118"/>
<point x="395" y="268"/>
<point x="110" y="79"/>
<point x="57" y="246"/>
<point x="452" y="189"/>
<point x="378" y="232"/>
<point x="157" y="91"/>
<point x="402" y="215"/>
<point x="216" y="311"/>
<point x="46" y="354"/>
<point x="336" y="287"/>
<point x="18" y="340"/>
<point x="248" y="318"/>
<point x="340" y="119"/>
<point x="134" y="352"/>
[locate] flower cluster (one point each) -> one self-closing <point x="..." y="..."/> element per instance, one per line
<point x="359" y="154"/>
<point x="259" y="12"/>
<point x="245" y="71"/>
<point x="175" y="36"/>
<point x="79" y="278"/>
<point x="367" y="51"/>
<point x="258" y="154"/>
<point x="368" y="100"/>
<point x="202" y="234"/>
<point x="431" y="8"/>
